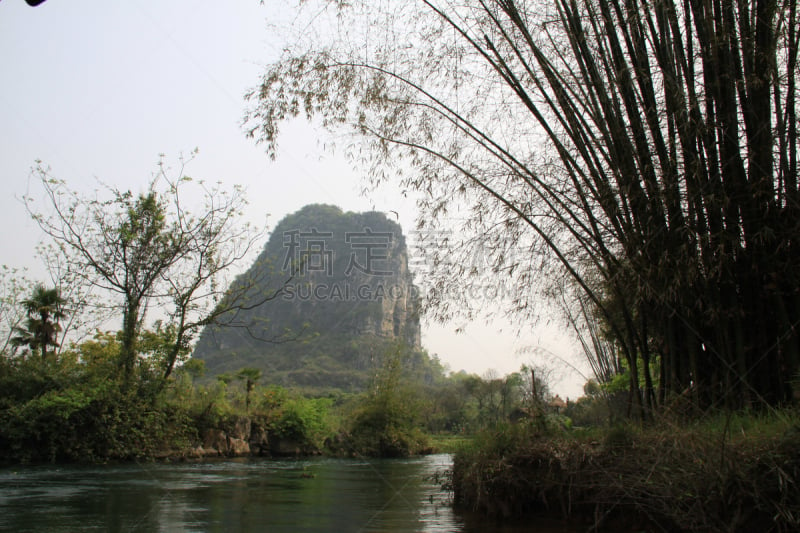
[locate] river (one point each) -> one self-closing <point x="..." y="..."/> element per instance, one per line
<point x="318" y="494"/>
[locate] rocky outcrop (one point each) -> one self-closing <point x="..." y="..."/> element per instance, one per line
<point x="244" y="437"/>
<point x="330" y="291"/>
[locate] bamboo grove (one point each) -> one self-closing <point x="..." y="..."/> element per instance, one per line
<point x="649" y="148"/>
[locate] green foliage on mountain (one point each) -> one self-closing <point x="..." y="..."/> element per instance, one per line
<point x="334" y="294"/>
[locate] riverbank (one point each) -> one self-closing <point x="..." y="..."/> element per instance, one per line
<point x="78" y="409"/>
<point x="129" y="433"/>
<point x="733" y="473"/>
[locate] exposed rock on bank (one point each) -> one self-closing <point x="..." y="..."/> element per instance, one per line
<point x="244" y="437"/>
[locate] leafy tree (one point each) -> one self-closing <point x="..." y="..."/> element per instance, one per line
<point x="643" y="155"/>
<point x="145" y="250"/>
<point x="44" y="309"/>
<point x="196" y="368"/>
<point x="387" y="420"/>
<point x="13" y="288"/>
<point x="305" y="421"/>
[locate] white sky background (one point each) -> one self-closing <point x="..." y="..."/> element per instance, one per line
<point x="97" y="89"/>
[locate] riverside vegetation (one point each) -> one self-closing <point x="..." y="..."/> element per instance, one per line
<point x="720" y="473"/>
<point x="73" y="406"/>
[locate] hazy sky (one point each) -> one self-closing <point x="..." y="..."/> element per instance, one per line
<point x="97" y="89"/>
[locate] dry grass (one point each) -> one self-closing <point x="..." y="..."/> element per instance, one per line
<point x="735" y="473"/>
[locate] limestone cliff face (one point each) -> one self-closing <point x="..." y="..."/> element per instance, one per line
<point x="392" y="294"/>
<point x="342" y="293"/>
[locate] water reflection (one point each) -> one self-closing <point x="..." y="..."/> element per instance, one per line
<point x="239" y="495"/>
<point x="236" y="495"/>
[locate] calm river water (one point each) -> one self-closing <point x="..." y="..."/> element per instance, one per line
<point x="318" y="494"/>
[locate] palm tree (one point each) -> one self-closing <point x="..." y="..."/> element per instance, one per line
<point x="26" y="335"/>
<point x="44" y="309"/>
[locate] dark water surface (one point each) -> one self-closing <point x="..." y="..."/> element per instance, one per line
<point x="318" y="494"/>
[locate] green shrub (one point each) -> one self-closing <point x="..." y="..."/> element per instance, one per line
<point x="304" y="420"/>
<point x="79" y="415"/>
